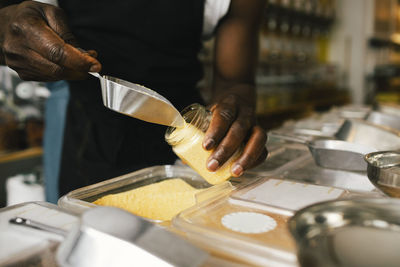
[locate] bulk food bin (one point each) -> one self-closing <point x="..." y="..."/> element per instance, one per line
<point x="271" y="200"/>
<point x="81" y="199"/>
<point x="264" y="205"/>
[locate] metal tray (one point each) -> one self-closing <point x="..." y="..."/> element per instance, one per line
<point x="387" y="120"/>
<point x="389" y="109"/>
<point x="304" y="169"/>
<point x="365" y="133"/>
<point x="363" y="232"/>
<point x="354" y="111"/>
<point x="108" y="236"/>
<point x="333" y="154"/>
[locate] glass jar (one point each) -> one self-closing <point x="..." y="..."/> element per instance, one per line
<point x="187" y="142"/>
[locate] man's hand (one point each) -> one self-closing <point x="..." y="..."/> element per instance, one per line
<point x="36" y="42"/>
<point x="233" y="122"/>
<point x="232" y="125"/>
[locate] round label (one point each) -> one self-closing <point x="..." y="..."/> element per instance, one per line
<point x="248" y="222"/>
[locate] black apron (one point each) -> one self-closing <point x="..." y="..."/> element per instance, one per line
<point x="150" y="42"/>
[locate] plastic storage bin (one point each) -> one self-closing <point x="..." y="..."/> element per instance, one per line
<point x="202" y="224"/>
<point x="81" y="199"/>
<point x="205" y="223"/>
<point x="253" y="194"/>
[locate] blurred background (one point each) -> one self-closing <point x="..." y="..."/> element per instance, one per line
<point x="314" y="55"/>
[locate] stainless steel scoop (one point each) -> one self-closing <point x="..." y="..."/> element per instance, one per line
<point x="387" y="120"/>
<point x="333" y="154"/>
<point x="138" y="101"/>
<point x="368" y="134"/>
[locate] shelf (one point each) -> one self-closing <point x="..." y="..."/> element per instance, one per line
<point x="21" y="155"/>
<point x="274" y="117"/>
<point x="339" y="100"/>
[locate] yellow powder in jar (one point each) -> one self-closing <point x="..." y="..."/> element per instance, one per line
<point x="191" y="151"/>
<point x="158" y="201"/>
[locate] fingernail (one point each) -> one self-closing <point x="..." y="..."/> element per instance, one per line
<point x="94" y="68"/>
<point x="237" y="170"/>
<point x="209" y="143"/>
<point x="212" y="165"/>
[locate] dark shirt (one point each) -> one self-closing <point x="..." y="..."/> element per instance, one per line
<point x="150" y="42"/>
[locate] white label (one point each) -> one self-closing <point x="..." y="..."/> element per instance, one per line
<point x="290" y="195"/>
<point x="248" y="222"/>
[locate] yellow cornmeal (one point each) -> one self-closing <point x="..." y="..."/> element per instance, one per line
<point x="159" y="201"/>
<point x="191" y="151"/>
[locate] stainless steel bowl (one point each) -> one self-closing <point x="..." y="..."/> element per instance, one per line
<point x="358" y="232"/>
<point x="384" y="171"/>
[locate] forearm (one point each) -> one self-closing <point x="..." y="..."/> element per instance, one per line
<point x="236" y="52"/>
<point x="234" y="66"/>
<point x="235" y="73"/>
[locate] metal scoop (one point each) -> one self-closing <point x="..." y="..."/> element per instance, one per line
<point x="38" y="226"/>
<point x="138" y="101"/>
<point x="333" y="154"/>
<point x="108" y="236"/>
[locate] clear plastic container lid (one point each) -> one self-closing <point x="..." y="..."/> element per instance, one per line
<point x="217" y="226"/>
<point x="81" y="199"/>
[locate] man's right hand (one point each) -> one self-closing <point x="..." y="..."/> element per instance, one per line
<point x="36" y="42"/>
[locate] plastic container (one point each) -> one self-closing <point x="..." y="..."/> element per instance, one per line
<point x="24" y="246"/>
<point x="187" y="142"/>
<point x="81" y="199"/>
<point x="202" y="224"/>
<point x="206" y="223"/>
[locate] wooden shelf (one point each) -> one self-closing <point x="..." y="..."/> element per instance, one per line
<point x="21" y="155"/>
<point x="275" y="117"/>
<point x="311" y="105"/>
